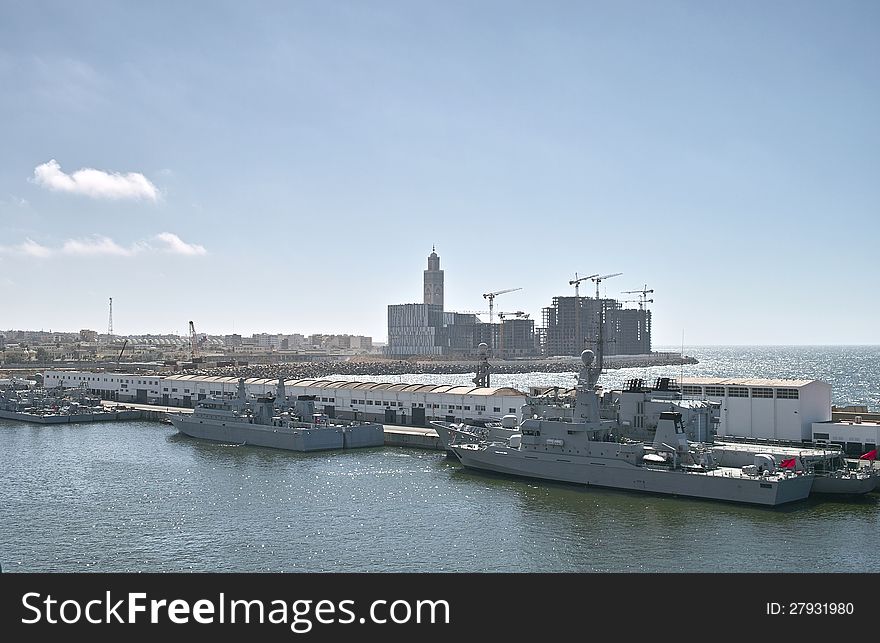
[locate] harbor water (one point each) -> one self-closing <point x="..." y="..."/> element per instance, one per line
<point x="137" y="496"/>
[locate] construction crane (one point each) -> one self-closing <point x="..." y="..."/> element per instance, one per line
<point x="110" y="324"/>
<point x="119" y="357"/>
<point x="577" y="280"/>
<point x="193" y="344"/>
<point x="599" y="280"/>
<point x="577" y="307"/>
<point x="643" y="296"/>
<point x="491" y="297"/>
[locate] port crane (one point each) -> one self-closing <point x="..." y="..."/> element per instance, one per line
<point x="119" y="357"/>
<point x="193" y="344"/>
<point x="491" y="297"/>
<point x="643" y="296"/>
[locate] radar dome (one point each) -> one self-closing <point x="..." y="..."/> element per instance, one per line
<point x="587" y="357"/>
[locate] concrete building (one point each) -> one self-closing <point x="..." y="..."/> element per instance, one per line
<point x="419" y="329"/>
<point x="571" y="325"/>
<point x="516" y="338"/>
<point x="416" y="329"/>
<point x="426" y="329"/>
<point x="631" y="330"/>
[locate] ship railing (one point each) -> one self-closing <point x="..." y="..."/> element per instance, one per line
<point x="779" y="443"/>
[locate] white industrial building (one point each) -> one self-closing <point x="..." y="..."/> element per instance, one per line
<point x="765" y="408"/>
<point x="790" y="410"/>
<point x="379" y="401"/>
<point x="855" y="436"/>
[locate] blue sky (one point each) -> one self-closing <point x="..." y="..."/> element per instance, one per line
<point x="287" y="166"/>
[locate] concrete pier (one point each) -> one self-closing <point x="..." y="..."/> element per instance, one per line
<point x="412" y="436"/>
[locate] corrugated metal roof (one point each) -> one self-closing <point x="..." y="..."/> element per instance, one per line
<point x="460" y="390"/>
<point x="503" y="390"/>
<point x="748" y="381"/>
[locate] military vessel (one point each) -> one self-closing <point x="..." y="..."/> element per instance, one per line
<point x="832" y="474"/>
<point x="269" y="422"/>
<point x="585" y="450"/>
<point x="637" y="408"/>
<point x="461" y="432"/>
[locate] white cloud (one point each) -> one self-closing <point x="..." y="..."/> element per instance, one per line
<point x="99" y="245"/>
<point x="28" y="248"/>
<point x="96" y="184"/>
<point x="176" y="245"/>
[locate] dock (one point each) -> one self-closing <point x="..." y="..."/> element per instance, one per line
<point x="412" y="436"/>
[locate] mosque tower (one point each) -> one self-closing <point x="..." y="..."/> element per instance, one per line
<point x="434" y="280"/>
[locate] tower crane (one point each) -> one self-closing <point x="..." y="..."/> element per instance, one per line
<point x="491" y="297"/>
<point x="577" y="280"/>
<point x="643" y="296"/>
<point x="599" y="279"/>
<point x="577" y="308"/>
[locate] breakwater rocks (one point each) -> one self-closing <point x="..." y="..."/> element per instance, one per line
<point x="317" y="370"/>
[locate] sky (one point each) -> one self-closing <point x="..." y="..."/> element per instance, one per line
<point x="288" y="166"/>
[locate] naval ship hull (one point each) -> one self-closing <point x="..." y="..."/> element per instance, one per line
<point x="844" y="483"/>
<point x="450" y="433"/>
<point x="720" y="484"/>
<point x="852" y="485"/>
<point x="321" y="438"/>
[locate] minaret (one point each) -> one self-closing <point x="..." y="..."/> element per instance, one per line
<point x="434" y="280"/>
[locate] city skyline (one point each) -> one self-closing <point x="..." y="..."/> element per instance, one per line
<point x="287" y="168"/>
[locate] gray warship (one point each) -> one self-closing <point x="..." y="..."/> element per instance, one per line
<point x="637" y="409"/>
<point x="584" y="450"/>
<point x="269" y="422"/>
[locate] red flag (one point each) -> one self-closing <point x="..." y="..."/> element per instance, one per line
<point x="787" y="464"/>
<point x="870" y="455"/>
